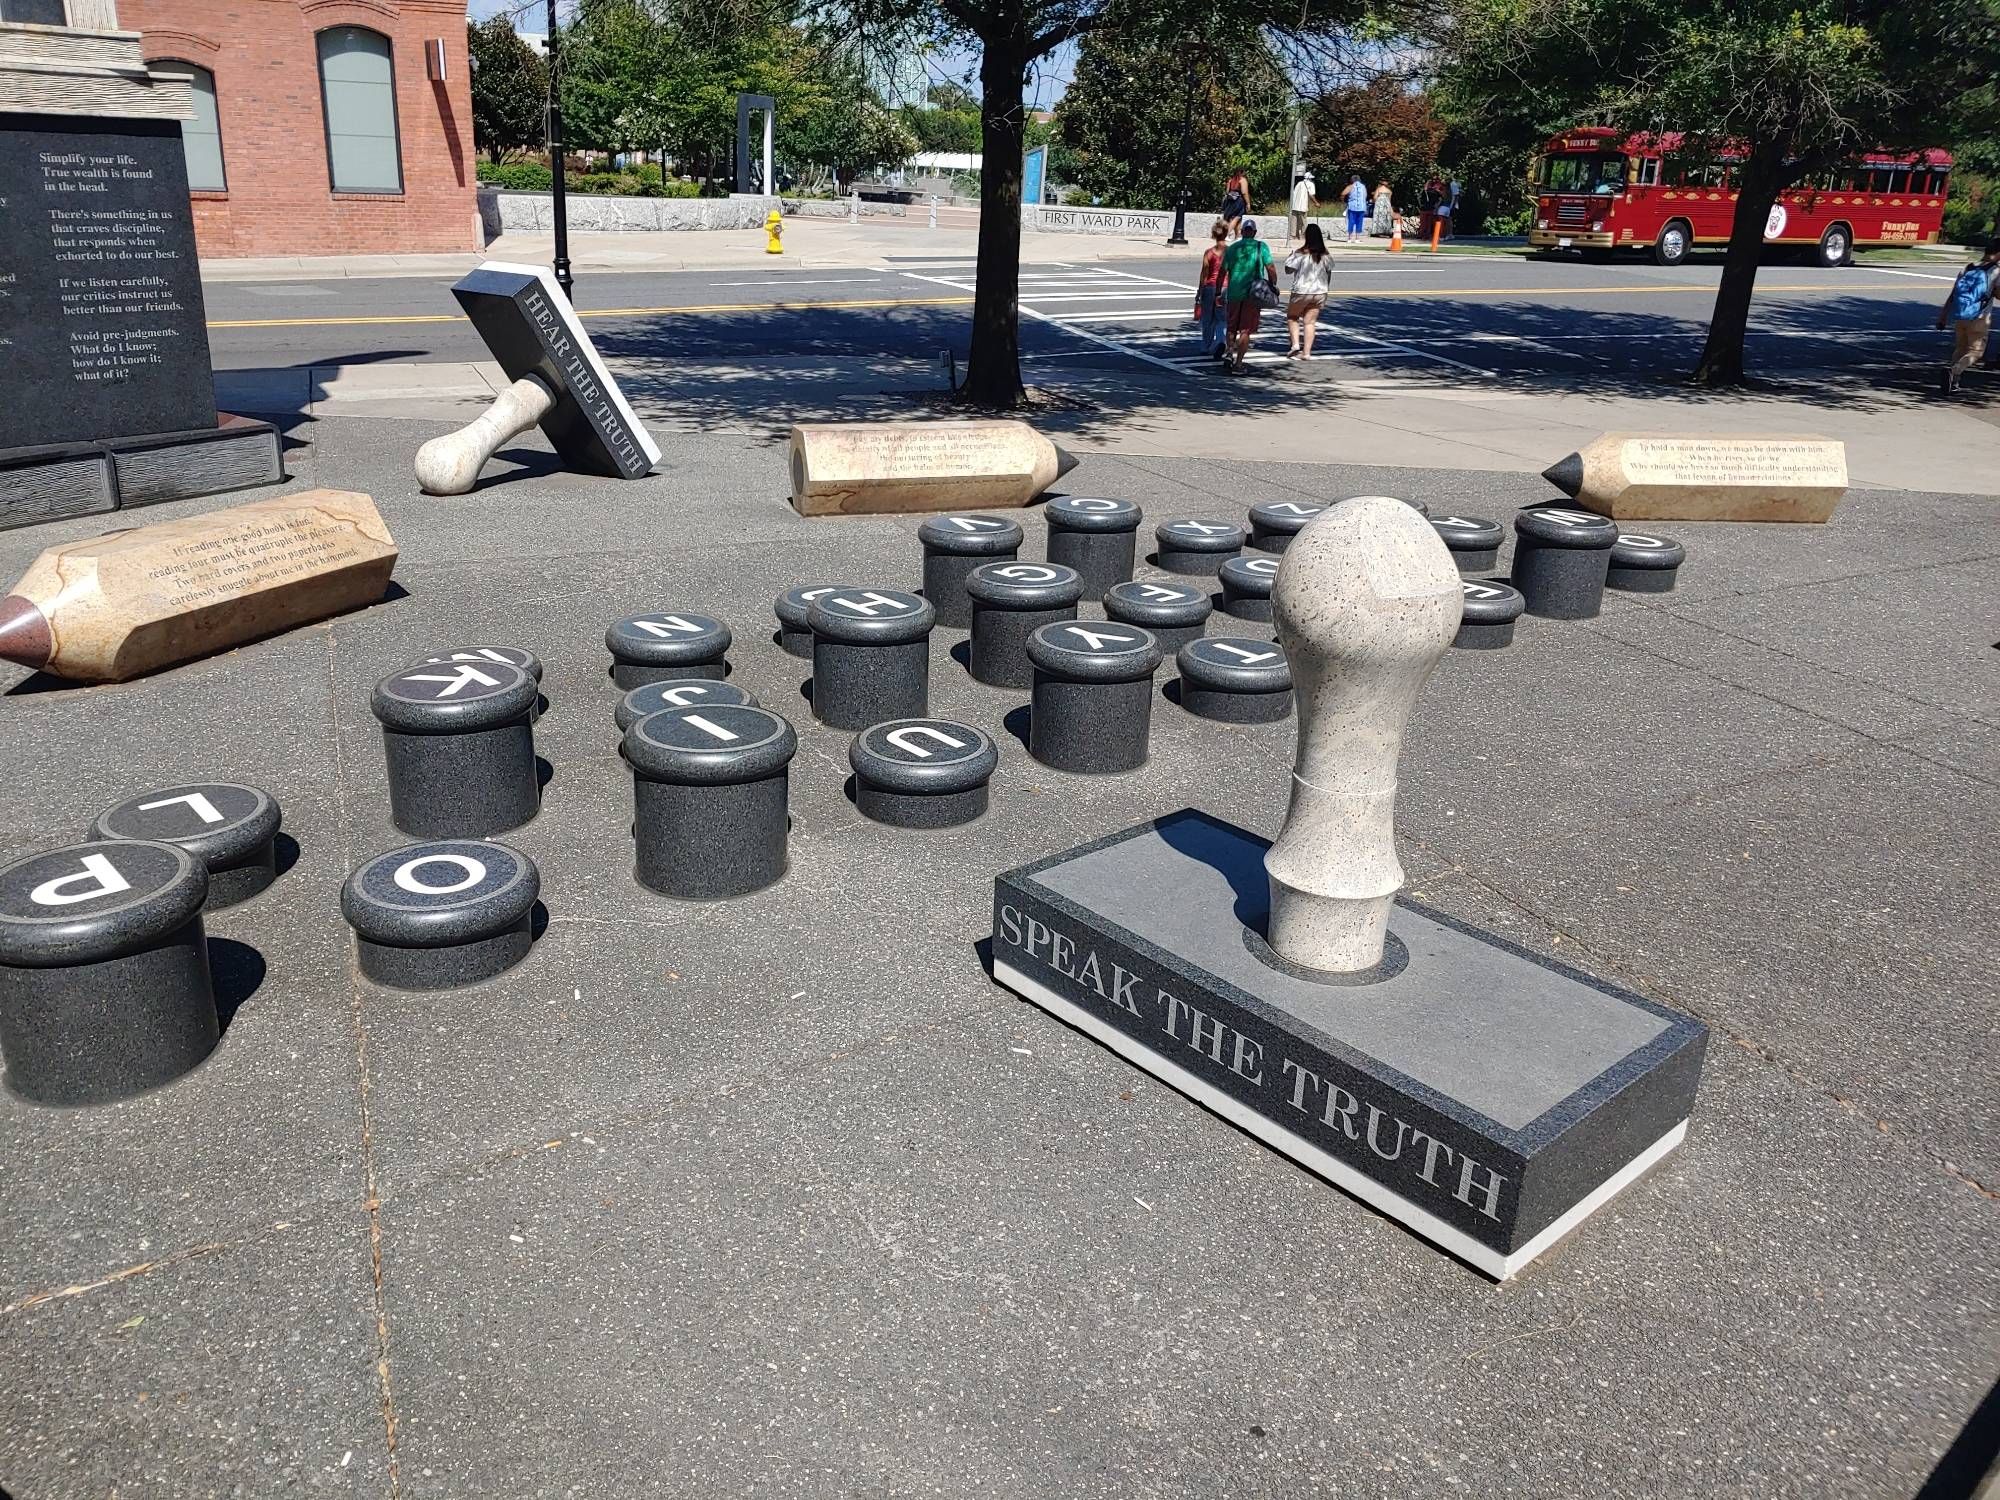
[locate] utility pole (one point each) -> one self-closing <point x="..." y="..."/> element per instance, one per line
<point x="556" y="155"/>
<point x="1179" y="236"/>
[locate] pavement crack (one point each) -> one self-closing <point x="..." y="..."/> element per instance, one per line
<point x="143" y="1268"/>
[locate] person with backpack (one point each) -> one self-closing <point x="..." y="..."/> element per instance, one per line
<point x="1253" y="286"/>
<point x="1312" y="277"/>
<point x="1211" y="298"/>
<point x="1969" y="308"/>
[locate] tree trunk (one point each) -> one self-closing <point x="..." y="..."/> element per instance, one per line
<point x="1757" y="190"/>
<point x="993" y="372"/>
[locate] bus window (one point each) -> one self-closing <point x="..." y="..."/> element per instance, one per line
<point x="1649" y="172"/>
<point x="1583" y="174"/>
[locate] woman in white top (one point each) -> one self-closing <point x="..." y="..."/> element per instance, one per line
<point x="1312" y="275"/>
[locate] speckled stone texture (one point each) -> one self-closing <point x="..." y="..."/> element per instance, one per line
<point x="1010" y="602"/>
<point x="104" y="979"/>
<point x="1235" y="679"/>
<point x="953" y="546"/>
<point x="710" y="794"/>
<point x="1173" y="612"/>
<point x="442" y="915"/>
<point x="1421" y="507"/>
<point x="1197" y="548"/>
<point x="1246" y="587"/>
<point x="1490" y="609"/>
<point x="518" y="656"/>
<point x="794" y="634"/>
<point x="655" y="697"/>
<point x="1561" y="557"/>
<point x="1274" y="523"/>
<point x="670" y="644"/>
<point x="1643" y="564"/>
<point x="1095" y="536"/>
<point x="922" y="773"/>
<point x="1474" y="541"/>
<point x="460" y="748"/>
<point x="1092" y="711"/>
<point x="232" y="829"/>
<point x="1367" y="601"/>
<point x="871" y="656"/>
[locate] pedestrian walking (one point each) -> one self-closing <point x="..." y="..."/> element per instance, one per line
<point x="1253" y="286"/>
<point x="1357" y="207"/>
<point x="1311" y="268"/>
<point x="1385" y="211"/>
<point x="1211" y="300"/>
<point x="1235" y="201"/>
<point x="1969" y="307"/>
<point x="1304" y="200"/>
<point x="1427" y="204"/>
<point x="1447" y="208"/>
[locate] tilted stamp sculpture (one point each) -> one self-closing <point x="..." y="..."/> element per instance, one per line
<point x="559" y="382"/>
<point x="1488" y="1099"/>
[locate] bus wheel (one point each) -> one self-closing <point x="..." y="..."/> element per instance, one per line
<point x="1836" y="246"/>
<point x="1672" y="246"/>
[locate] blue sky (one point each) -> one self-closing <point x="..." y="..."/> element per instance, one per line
<point x="1046" y="85"/>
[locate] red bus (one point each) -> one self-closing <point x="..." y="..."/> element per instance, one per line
<point x="1597" y="191"/>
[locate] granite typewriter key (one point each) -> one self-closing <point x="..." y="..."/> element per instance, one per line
<point x="795" y="637"/>
<point x="526" y="660"/>
<point x="1010" y="602"/>
<point x="663" y="647"/>
<point x="1196" y="548"/>
<point x="1097" y="537"/>
<point x="231" y="829"/>
<point x="1236" y="679"/>
<point x="1274" y="523"/>
<point x="460" y="748"/>
<point x="922" y="773"/>
<point x="1173" y="612"/>
<point x="1561" y="558"/>
<point x="1246" y="587"/>
<point x="655" y="697"/>
<point x="710" y="792"/>
<point x="1487" y="620"/>
<point x="1472" y="541"/>
<point x="1644" y="564"/>
<point x="871" y="657"/>
<point x="104" y="981"/>
<point x="1093" y="703"/>
<point x="442" y="915"/>
<point x="953" y="547"/>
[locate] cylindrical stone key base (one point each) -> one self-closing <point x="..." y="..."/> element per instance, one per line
<point x="1274" y="523"/>
<point x="1643" y="564"/>
<point x="629" y="675"/>
<point x="944" y="586"/>
<point x="1103" y="559"/>
<point x="665" y="646"/>
<point x="1560" y="583"/>
<point x="1000" y="642"/>
<point x="913" y="810"/>
<point x="711" y="842"/>
<point x="1091" y="728"/>
<point x="1640" y="580"/>
<point x="855" y="686"/>
<point x="94" y="1033"/>
<point x="795" y="641"/>
<point x="446" y="968"/>
<point x="462" y="786"/>
<point x="231" y="828"/>
<point x="240" y="882"/>
<point x="953" y="546"/>
<point x="1484" y="637"/>
<point x="1235" y="708"/>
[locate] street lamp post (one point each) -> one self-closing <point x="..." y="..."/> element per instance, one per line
<point x="556" y="155"/>
<point x="1179" y="236"/>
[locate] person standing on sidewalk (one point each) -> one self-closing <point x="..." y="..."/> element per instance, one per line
<point x="1253" y="284"/>
<point x="1969" y="307"/>
<point x="1312" y="271"/>
<point x="1211" y="295"/>
<point x="1385" y="211"/>
<point x="1357" y="208"/>
<point x="1305" y="198"/>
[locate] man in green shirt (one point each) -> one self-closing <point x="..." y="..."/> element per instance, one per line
<point x="1243" y="264"/>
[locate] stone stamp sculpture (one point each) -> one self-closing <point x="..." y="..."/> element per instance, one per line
<point x="1367" y="600"/>
<point x="1487" y="1099"/>
<point x="1659" y="476"/>
<point x="866" y="468"/>
<point x="132" y="602"/>
<point x="559" y="382"/>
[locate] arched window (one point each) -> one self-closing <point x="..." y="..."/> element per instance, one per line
<point x="201" y="137"/>
<point x="357" y="81"/>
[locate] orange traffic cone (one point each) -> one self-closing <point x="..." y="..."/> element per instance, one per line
<point x="1395" y="234"/>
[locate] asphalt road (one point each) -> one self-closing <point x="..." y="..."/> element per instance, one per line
<point x="1503" y="316"/>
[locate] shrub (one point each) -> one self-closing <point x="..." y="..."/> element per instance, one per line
<point x="517" y="176"/>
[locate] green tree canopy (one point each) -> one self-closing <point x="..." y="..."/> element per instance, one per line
<point x="510" y="90"/>
<point x="1383" y="129"/>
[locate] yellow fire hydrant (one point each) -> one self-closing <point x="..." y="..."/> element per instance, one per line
<point x="774" y="229"/>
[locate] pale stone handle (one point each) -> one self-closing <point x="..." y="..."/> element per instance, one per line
<point x="1367" y="599"/>
<point x="450" y="465"/>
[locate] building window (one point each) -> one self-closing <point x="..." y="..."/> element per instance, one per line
<point x="201" y="137"/>
<point x="35" y="12"/>
<point x="357" y="81"/>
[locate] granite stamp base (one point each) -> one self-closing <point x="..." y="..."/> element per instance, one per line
<point x="78" y="479"/>
<point x="1486" y="1099"/>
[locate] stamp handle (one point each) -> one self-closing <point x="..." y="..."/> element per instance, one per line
<point x="450" y="465"/>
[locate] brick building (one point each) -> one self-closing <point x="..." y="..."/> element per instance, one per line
<point x="322" y="127"/>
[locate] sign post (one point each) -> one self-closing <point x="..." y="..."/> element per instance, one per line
<point x="1033" y="171"/>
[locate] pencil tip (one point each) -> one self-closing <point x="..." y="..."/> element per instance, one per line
<point x="24" y="632"/>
